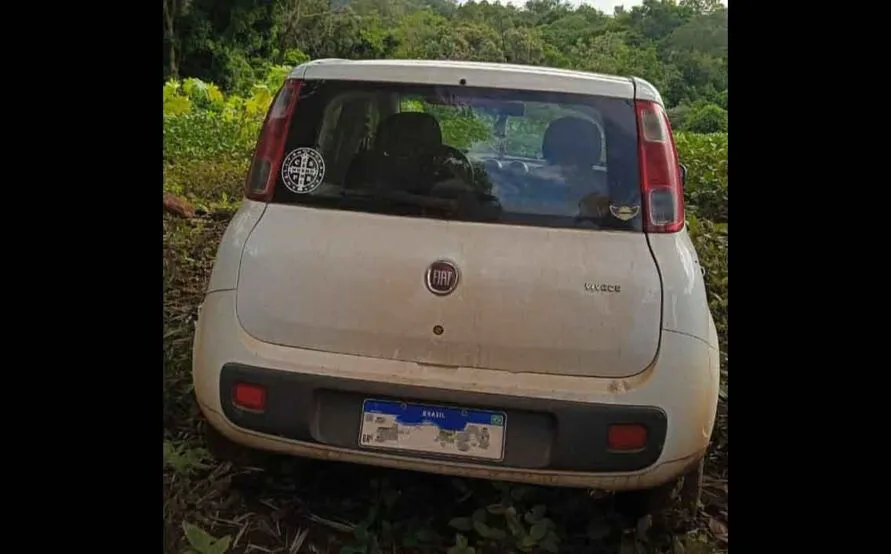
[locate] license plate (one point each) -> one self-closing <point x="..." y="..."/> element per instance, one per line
<point x="457" y="432"/>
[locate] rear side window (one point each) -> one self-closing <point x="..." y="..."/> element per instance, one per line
<point x="466" y="154"/>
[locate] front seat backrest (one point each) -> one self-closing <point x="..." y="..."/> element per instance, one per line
<point x="572" y="141"/>
<point x="408" y="135"/>
<point x="404" y="154"/>
<point x="574" y="146"/>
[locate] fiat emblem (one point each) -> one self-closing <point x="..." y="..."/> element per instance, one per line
<point x="441" y="277"/>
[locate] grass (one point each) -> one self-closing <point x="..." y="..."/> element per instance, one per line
<point x="289" y="505"/>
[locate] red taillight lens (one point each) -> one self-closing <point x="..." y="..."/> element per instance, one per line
<point x="660" y="174"/>
<point x="627" y="437"/>
<point x="261" y="179"/>
<point x="249" y="397"/>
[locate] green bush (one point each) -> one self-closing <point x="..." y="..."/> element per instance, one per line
<point x="678" y="116"/>
<point x="705" y="192"/>
<point x="200" y="123"/>
<point x="709" y="118"/>
<point x="710" y="239"/>
<point x="208" y="136"/>
<point x="701" y="117"/>
<point x="210" y="185"/>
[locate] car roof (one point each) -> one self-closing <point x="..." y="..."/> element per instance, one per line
<point x="478" y="74"/>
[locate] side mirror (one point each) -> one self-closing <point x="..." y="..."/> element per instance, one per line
<point x="683" y="174"/>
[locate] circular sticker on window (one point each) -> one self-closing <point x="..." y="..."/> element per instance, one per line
<point x="303" y="170"/>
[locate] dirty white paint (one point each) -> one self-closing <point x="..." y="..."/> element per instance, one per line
<point x="682" y="381"/>
<point x="354" y="283"/>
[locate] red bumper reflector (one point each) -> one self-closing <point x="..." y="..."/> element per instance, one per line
<point x="627" y="437"/>
<point x="249" y="397"/>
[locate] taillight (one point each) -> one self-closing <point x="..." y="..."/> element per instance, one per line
<point x="249" y="397"/>
<point x="660" y="174"/>
<point x="626" y="437"/>
<point x="261" y="179"/>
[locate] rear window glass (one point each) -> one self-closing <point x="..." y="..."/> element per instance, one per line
<point x="461" y="153"/>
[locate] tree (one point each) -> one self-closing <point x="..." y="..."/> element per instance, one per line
<point x="173" y="9"/>
<point x="680" y="46"/>
<point x="290" y="19"/>
<point x="610" y="53"/>
<point x="655" y="19"/>
<point x="706" y="118"/>
<point x="522" y="45"/>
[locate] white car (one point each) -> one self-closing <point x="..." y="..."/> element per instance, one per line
<point x="470" y="269"/>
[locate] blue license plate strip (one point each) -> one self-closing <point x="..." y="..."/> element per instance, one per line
<point x="432" y="429"/>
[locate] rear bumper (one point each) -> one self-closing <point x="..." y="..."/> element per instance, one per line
<point x="651" y="477"/>
<point x="541" y="433"/>
<point x="556" y="425"/>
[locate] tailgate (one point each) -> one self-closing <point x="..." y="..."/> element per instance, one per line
<point x="529" y="299"/>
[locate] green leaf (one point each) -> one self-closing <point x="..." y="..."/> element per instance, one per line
<point x="539" y="530"/>
<point x="514" y="525"/>
<point x="183" y="459"/>
<point x="461" y="523"/>
<point x="482" y="529"/>
<point x="222" y="545"/>
<point x="197" y="537"/>
<point x="479" y="515"/>
<point x="496" y="509"/>
<point x="497" y="534"/>
<point x="202" y="542"/>
<point x="535" y="515"/>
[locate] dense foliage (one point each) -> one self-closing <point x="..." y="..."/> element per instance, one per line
<point x="679" y="46"/>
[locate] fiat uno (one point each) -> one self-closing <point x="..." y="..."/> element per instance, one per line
<point x="470" y="269"/>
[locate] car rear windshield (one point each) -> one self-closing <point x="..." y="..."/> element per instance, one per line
<point x="466" y="154"/>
